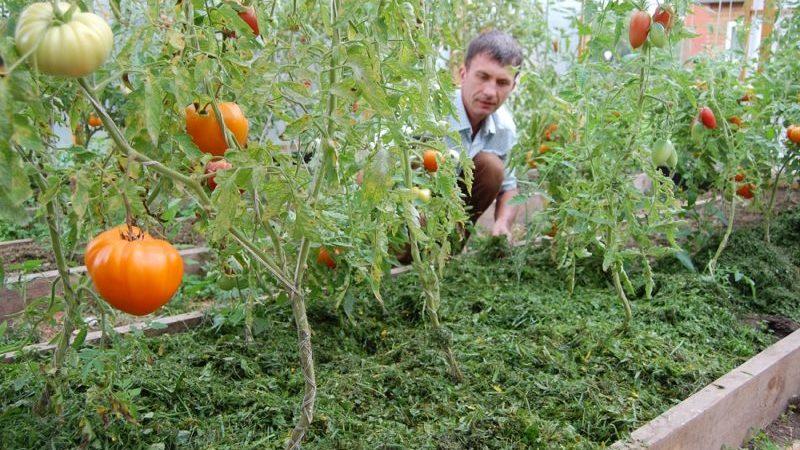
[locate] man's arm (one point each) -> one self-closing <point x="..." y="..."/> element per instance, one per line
<point x="504" y="214"/>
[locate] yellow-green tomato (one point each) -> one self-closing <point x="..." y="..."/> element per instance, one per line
<point x="74" y="45"/>
<point x="421" y="194"/>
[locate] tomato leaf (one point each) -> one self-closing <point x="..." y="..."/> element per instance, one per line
<point x="80" y="338"/>
<point x="153" y="109"/>
<point x="686" y="260"/>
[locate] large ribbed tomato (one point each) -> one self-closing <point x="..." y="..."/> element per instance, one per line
<point x="206" y="133"/>
<point x="133" y="272"/>
<point x="75" y="45"/>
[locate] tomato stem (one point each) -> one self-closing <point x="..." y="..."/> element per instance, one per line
<point x="768" y="219"/>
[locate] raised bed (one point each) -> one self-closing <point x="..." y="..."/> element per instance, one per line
<point x="728" y="411"/>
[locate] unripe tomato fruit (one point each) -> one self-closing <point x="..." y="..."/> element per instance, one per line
<point x="793" y="134"/>
<point x="657" y="36"/>
<point x="746" y="191"/>
<point x="212" y="167"/>
<point x="639" y="28"/>
<point x="421" y="194"/>
<point x="664" y="16"/>
<point x="75" y="47"/>
<point x="134" y="273"/>
<point x="249" y="16"/>
<point x="707" y="118"/>
<point x="323" y="257"/>
<point x="662" y="152"/>
<point x="430" y="160"/>
<point x="94" y="121"/>
<point x="206" y="133"/>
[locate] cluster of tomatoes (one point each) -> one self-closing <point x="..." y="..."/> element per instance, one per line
<point x="130" y="269"/>
<point x="642" y="28"/>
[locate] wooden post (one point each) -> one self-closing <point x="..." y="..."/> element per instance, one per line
<point x="770" y="14"/>
<point x="748" y="20"/>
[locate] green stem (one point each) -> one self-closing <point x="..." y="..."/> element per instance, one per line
<point x="621" y="294"/>
<point x="772" y="197"/>
<point x="712" y="264"/>
<point x="298" y="301"/>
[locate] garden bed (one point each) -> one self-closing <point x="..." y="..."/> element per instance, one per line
<point x="543" y="368"/>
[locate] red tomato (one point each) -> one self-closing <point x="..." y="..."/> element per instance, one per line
<point x="664" y="16"/>
<point x="639" y="28"/>
<point x="430" y="160"/>
<point x="746" y="191"/>
<point x="707" y="117"/>
<point x="323" y="257"/>
<point x="739" y="177"/>
<point x="133" y="272"/>
<point x="249" y="16"/>
<point x="212" y="167"/>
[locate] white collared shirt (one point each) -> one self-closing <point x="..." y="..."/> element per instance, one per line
<point x="498" y="134"/>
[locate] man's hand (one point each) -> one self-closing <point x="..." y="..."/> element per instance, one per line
<point x="504" y="214"/>
<point x="500" y="229"/>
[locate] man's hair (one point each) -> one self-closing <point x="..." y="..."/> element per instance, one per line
<point x="497" y="45"/>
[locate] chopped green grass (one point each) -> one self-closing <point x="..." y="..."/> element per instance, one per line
<point x="543" y="369"/>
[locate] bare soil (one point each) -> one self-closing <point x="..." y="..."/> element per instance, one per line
<point x="785" y="431"/>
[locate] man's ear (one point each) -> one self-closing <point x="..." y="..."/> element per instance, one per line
<point x="462" y="71"/>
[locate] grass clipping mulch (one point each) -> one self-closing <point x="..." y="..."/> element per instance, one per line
<point x="543" y="369"/>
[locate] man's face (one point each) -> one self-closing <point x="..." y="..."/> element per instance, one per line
<point x="485" y="85"/>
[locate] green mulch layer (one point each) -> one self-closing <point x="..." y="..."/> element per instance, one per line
<point x="543" y="369"/>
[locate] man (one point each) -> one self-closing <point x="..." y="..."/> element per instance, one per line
<point x="487" y="130"/>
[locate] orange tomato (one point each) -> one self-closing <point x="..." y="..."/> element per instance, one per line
<point x="206" y="133"/>
<point x="544" y="148"/>
<point x="793" y="133"/>
<point x="94" y="121"/>
<point x="134" y="273"/>
<point x="739" y="177"/>
<point x="735" y="120"/>
<point x="430" y="160"/>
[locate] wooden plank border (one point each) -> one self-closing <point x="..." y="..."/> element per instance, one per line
<point x="728" y="411"/>
<point x="39" y="284"/>
<point x="168" y="325"/>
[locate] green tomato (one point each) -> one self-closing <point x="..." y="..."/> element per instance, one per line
<point x="226" y="282"/>
<point x="657" y="36"/>
<point x="73" y="46"/>
<point x="672" y="161"/>
<point x="423" y="195"/>
<point x="662" y="151"/>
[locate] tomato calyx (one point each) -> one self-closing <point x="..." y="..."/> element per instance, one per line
<point x="131" y="233"/>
